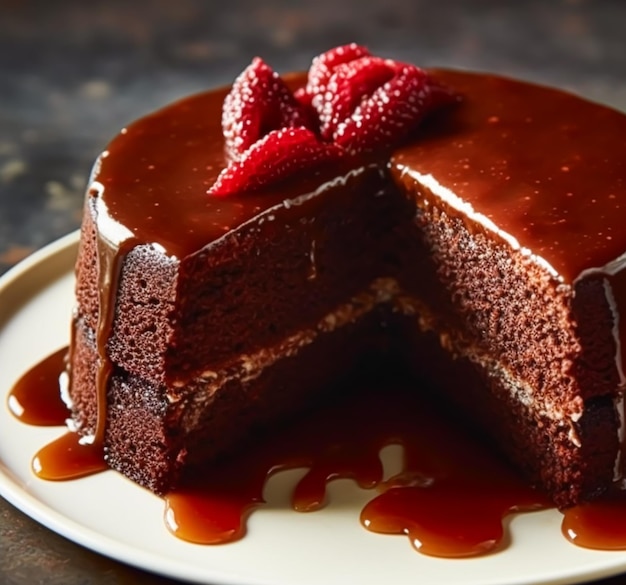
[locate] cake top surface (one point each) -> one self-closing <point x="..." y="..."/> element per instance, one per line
<point x="153" y="178"/>
<point x="543" y="165"/>
<point x="156" y="172"/>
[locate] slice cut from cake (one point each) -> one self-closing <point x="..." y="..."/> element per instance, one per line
<point x="484" y="241"/>
<point x="520" y="196"/>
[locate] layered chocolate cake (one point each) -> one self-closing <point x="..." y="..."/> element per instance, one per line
<point x="234" y="269"/>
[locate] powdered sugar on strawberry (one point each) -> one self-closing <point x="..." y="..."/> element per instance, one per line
<point x="258" y="103"/>
<point x="352" y="103"/>
<point x="275" y="156"/>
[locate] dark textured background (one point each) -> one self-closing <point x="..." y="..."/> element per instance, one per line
<point x="72" y="73"/>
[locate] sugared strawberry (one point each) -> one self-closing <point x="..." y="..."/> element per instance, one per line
<point x="276" y="156"/>
<point x="388" y="114"/>
<point x="347" y="87"/>
<point x="324" y="65"/>
<point x="352" y="103"/>
<point x="258" y="103"/>
<point x="364" y="102"/>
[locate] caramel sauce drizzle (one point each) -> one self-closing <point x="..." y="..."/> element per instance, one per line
<point x="110" y="261"/>
<point x="35" y="398"/>
<point x="449" y="499"/>
<point x="600" y="525"/>
<point x="109" y="266"/>
<point x="68" y="458"/>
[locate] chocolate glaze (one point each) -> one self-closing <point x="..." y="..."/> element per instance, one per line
<point x="182" y="153"/>
<point x="537" y="162"/>
<point x="528" y="193"/>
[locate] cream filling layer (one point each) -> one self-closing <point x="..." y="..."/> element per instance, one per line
<point x="250" y="366"/>
<point x="523" y="392"/>
<point x="381" y="291"/>
<point x="519" y="390"/>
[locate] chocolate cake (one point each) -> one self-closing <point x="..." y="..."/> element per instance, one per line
<point x="487" y="240"/>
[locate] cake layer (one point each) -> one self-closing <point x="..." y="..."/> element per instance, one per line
<point x="559" y="339"/>
<point x="280" y="271"/>
<point x="154" y="432"/>
<point x="572" y="458"/>
<point x="538" y="443"/>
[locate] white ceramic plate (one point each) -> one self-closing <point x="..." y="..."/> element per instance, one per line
<point x="112" y="516"/>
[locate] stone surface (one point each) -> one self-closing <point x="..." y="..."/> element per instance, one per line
<point x="72" y="73"/>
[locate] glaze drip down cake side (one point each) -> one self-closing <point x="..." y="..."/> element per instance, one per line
<point x="487" y="240"/>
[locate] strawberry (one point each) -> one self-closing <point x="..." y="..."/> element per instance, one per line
<point x="386" y="115"/>
<point x="352" y="103"/>
<point x="325" y="64"/>
<point x="276" y="156"/>
<point x="258" y="103"/>
<point x="349" y="84"/>
<point x="364" y="102"/>
<point x="321" y="70"/>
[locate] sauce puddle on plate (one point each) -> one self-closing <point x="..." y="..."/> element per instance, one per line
<point x="450" y="498"/>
